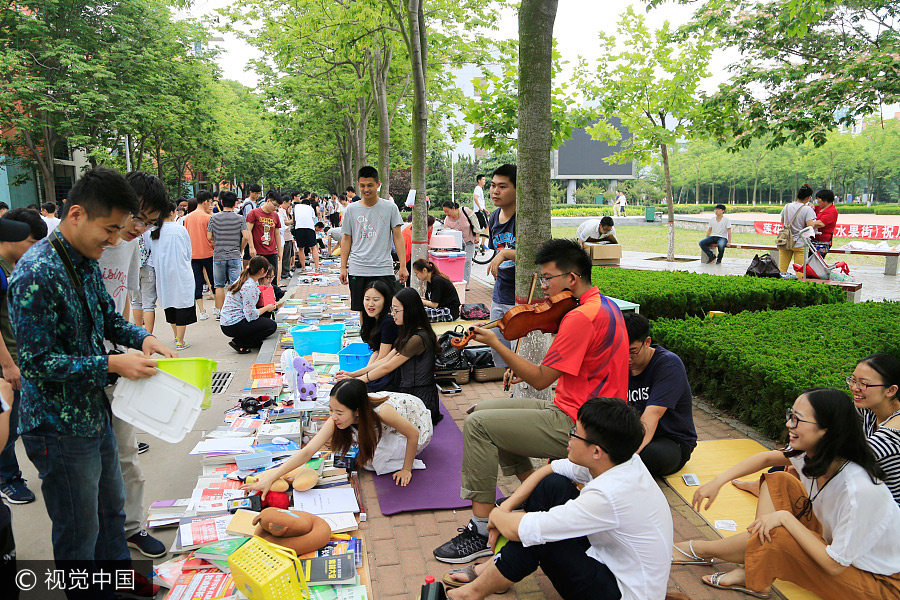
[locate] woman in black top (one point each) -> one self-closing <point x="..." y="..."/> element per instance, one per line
<point x="441" y="300"/>
<point x="412" y="354"/>
<point x="378" y="330"/>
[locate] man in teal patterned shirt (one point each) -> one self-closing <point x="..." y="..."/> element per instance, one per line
<point x="64" y="417"/>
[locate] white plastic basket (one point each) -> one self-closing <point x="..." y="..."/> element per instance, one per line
<point x="164" y="406"/>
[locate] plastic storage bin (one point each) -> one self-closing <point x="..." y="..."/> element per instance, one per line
<point x="196" y="371"/>
<point x="264" y="571"/>
<point x="327" y="339"/>
<point x="451" y="264"/>
<point x="163" y="405"/>
<point x="444" y="241"/>
<point x="354" y="356"/>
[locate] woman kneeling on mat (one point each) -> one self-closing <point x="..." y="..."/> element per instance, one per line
<point x="239" y="317"/>
<point x="834" y="531"/>
<point x="412" y="355"/>
<point x="390" y="428"/>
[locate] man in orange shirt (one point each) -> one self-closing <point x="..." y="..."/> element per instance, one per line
<point x="196" y="223"/>
<point x="588" y="359"/>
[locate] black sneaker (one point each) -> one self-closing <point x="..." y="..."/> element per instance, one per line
<point x="465" y="547"/>
<point x="147" y="545"/>
<point x="143" y="447"/>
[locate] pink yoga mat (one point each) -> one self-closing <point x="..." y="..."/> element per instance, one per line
<point x="437" y="486"/>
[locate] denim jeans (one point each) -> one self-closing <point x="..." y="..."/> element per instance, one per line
<point x="9" y="465"/>
<point x="706" y="242"/>
<point x="226" y="272"/>
<point x="83" y="490"/>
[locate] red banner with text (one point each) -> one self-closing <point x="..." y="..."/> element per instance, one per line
<point x="864" y="232"/>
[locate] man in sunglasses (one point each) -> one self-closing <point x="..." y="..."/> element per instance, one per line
<point x="588" y="358"/>
<point x="611" y="539"/>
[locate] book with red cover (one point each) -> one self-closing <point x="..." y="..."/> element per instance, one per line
<point x="202" y="586"/>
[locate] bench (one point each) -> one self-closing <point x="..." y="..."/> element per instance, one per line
<point x="890" y="256"/>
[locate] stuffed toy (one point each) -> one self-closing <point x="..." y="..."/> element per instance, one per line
<point x="294" y="529"/>
<point x="302" y="389"/>
<point x="276" y="500"/>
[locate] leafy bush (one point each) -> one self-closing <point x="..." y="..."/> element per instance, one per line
<point x="680" y="294"/>
<point x="887" y="210"/>
<point x="754" y="364"/>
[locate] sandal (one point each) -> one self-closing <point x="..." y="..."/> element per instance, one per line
<point x="693" y="559"/>
<point x="715" y="578"/>
<point x="238" y="349"/>
<point x="469" y="572"/>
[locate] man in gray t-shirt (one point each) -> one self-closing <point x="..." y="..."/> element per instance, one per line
<point x="368" y="228"/>
<point x="228" y="232"/>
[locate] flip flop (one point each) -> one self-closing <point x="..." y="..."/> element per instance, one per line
<point x="714" y="579"/>
<point x="693" y="559"/>
<point x="468" y="571"/>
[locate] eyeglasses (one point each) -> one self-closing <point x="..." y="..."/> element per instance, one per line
<point x="572" y="434"/>
<point x="792" y="419"/>
<point x="546" y="280"/>
<point x="636" y="351"/>
<point x="852" y="382"/>
<point x="394" y="311"/>
<point x="140" y="223"/>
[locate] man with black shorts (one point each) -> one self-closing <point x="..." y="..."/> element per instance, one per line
<point x="305" y="233"/>
<point x="368" y="227"/>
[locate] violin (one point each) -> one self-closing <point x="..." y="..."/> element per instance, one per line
<point x="521" y="320"/>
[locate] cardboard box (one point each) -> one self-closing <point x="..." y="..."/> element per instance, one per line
<point x="603" y="251"/>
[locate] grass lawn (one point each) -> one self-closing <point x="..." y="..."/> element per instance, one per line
<point x="655" y="238"/>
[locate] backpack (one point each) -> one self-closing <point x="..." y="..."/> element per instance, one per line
<point x="763" y="266"/>
<point x="785" y="239"/>
<point x="448" y="356"/>
<point x="474" y="224"/>
<point x="474" y="312"/>
<point x="246" y="207"/>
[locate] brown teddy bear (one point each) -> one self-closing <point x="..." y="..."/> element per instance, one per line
<point x="300" y="531"/>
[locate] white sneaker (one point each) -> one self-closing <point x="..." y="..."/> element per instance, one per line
<point x="204" y="316"/>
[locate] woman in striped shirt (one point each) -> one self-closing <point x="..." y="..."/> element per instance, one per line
<point x="875" y="385"/>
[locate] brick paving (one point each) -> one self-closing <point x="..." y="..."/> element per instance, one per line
<point x="400" y="546"/>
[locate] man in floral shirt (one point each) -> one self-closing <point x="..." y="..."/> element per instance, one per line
<point x="61" y="313"/>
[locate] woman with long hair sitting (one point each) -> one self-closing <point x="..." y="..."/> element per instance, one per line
<point x="412" y="355"/>
<point x="240" y="319"/>
<point x="378" y="330"/>
<point x="441" y="299"/>
<point x="835" y="530"/>
<point x="391" y="429"/>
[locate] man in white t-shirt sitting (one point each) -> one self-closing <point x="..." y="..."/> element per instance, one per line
<point x="598" y="542"/>
<point x="718" y="233"/>
<point x="596" y="231"/>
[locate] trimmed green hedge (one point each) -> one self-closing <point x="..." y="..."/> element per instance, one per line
<point x="754" y="364"/>
<point x="680" y="294"/>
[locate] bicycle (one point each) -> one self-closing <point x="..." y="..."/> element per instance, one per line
<point x="483" y="254"/>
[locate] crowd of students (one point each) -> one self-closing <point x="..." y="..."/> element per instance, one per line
<point x="828" y="517"/>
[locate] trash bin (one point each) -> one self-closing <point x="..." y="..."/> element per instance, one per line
<point x="598" y="199"/>
<point x="650" y="213"/>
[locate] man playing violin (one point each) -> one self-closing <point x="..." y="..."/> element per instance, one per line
<point x="588" y="358"/>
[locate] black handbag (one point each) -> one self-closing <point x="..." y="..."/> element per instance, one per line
<point x="763" y="266"/>
<point x="449" y="357"/>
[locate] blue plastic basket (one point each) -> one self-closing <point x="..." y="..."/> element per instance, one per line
<point x="327" y="339"/>
<point x="354" y="356"/>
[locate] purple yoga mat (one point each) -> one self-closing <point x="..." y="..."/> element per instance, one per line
<point x="437" y="486"/>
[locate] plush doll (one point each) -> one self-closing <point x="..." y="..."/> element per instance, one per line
<point x="276" y="500"/>
<point x="294" y="529"/>
<point x="303" y="390"/>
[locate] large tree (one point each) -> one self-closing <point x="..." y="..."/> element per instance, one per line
<point x="652" y="86"/>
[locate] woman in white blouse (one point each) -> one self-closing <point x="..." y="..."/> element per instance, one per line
<point x="835" y="530"/>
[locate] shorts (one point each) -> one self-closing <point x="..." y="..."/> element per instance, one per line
<point x="181" y="316"/>
<point x="226" y="272"/>
<point x="358" y="285"/>
<point x="273" y="260"/>
<point x="144" y="299"/>
<point x="305" y="238"/>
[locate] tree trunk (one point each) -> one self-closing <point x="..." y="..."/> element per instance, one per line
<point x="417" y="41"/>
<point x="536" y="19"/>
<point x="379" y="70"/>
<point x="665" y="158"/>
